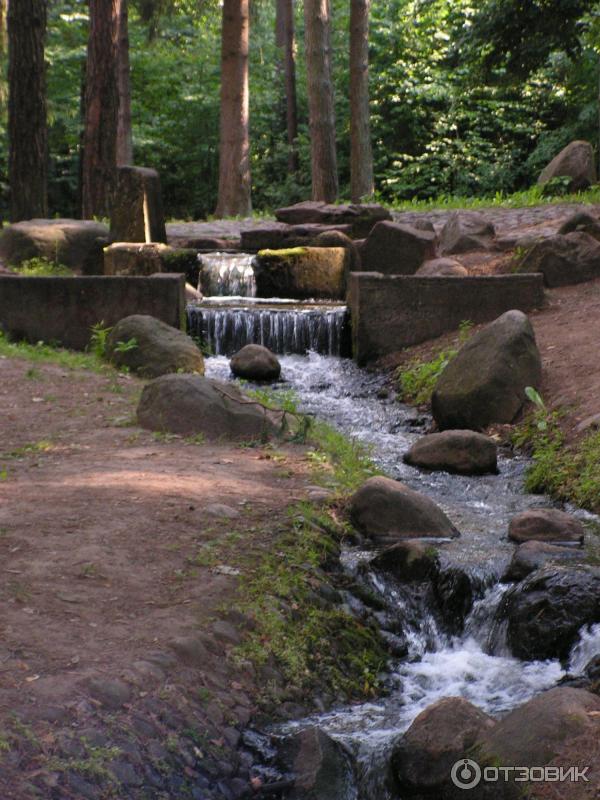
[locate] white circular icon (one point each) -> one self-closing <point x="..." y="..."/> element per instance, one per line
<point x="466" y="774"/>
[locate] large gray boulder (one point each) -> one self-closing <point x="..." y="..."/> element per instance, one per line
<point x="360" y="216"/>
<point x="546" y="525"/>
<point x="302" y="273"/>
<point x="575" y="161"/>
<point x="78" y="244"/>
<point x="191" y="404"/>
<point x="137" y="211"/>
<point x="486" y="381"/>
<point x="150" y="347"/>
<point x="387" y="511"/>
<point x="465" y="231"/>
<point x="395" y="249"/>
<point x="546" y="611"/>
<point x="440" y="736"/>
<point x="255" y="363"/>
<point x="564" y="260"/>
<point x="462" y="452"/>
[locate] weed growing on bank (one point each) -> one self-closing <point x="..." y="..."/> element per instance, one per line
<point x="567" y="472"/>
<point x="417" y="380"/>
<point x="47" y="353"/>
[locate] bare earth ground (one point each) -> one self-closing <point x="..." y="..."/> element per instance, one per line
<point x="98" y="524"/>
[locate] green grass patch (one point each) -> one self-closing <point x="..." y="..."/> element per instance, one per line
<point x="567" y="472"/>
<point x="417" y="381"/>
<point x="312" y="641"/>
<point x="42" y="267"/>
<point x="47" y="353"/>
<point x="535" y="196"/>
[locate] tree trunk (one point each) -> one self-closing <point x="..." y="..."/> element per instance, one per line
<point x="3" y="86"/>
<point x="234" y="150"/>
<point x="286" y="40"/>
<point x="124" y="135"/>
<point x="361" y="151"/>
<point x="101" y="112"/>
<point x="321" y="110"/>
<point x="27" y="126"/>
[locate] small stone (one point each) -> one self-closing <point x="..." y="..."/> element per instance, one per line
<point x="225" y="632"/>
<point x="112" y="694"/>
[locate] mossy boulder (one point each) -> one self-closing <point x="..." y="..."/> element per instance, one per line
<point x="564" y="259"/>
<point x="302" y="273"/>
<point x="576" y="162"/>
<point x="395" y="249"/>
<point x="486" y="381"/>
<point x="132" y="258"/>
<point x="150" y="347"/>
<point x="465" y="231"/>
<point x="546" y="525"/>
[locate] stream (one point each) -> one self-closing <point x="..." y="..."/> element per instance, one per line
<point x="475" y="664"/>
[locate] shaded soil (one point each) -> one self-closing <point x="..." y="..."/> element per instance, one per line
<point x="567" y="331"/>
<point x="109" y="616"/>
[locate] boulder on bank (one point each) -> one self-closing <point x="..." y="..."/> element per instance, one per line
<point x="531" y="556"/>
<point x="442" y="734"/>
<point x="387" y="511"/>
<point x="322" y="768"/>
<point x="442" y="268"/>
<point x="465" y="231"/>
<point x="462" y="452"/>
<point x="564" y="260"/>
<point x="546" y="611"/>
<point x="575" y="161"/>
<point x="77" y="244"/>
<point x="486" y="381"/>
<point x="255" y="363"/>
<point x="150" y="347"/>
<point x="191" y="404"/>
<point x="302" y="273"/>
<point x="546" y="525"/>
<point x="360" y="216"/>
<point x="395" y="249"/>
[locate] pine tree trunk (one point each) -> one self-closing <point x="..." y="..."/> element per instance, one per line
<point x="234" y="150"/>
<point x="321" y="110"/>
<point x="361" y="151"/>
<point x="3" y="86"/>
<point x="27" y="126"/>
<point x="286" y="40"/>
<point x="124" y="134"/>
<point x="101" y="112"/>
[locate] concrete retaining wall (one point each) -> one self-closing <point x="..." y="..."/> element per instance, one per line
<point x="63" y="310"/>
<point x="390" y="312"/>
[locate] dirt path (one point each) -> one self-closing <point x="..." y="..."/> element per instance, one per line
<point x="112" y="605"/>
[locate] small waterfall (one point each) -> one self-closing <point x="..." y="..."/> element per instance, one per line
<point x="226" y="274"/>
<point x="283" y="328"/>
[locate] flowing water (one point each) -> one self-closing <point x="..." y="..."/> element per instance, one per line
<point x="476" y="664"/>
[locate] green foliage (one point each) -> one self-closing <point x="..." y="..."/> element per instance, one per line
<point x="99" y="339"/>
<point x="468" y="99"/>
<point x="41" y="267"/>
<point x="417" y="381"/>
<point x="46" y="353"/>
<point x="126" y="347"/>
<point x="565" y="471"/>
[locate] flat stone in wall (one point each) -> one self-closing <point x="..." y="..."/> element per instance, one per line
<point x="63" y="310"/>
<point x="390" y="312"/>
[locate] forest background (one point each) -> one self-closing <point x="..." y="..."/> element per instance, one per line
<point x="467" y="99"/>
